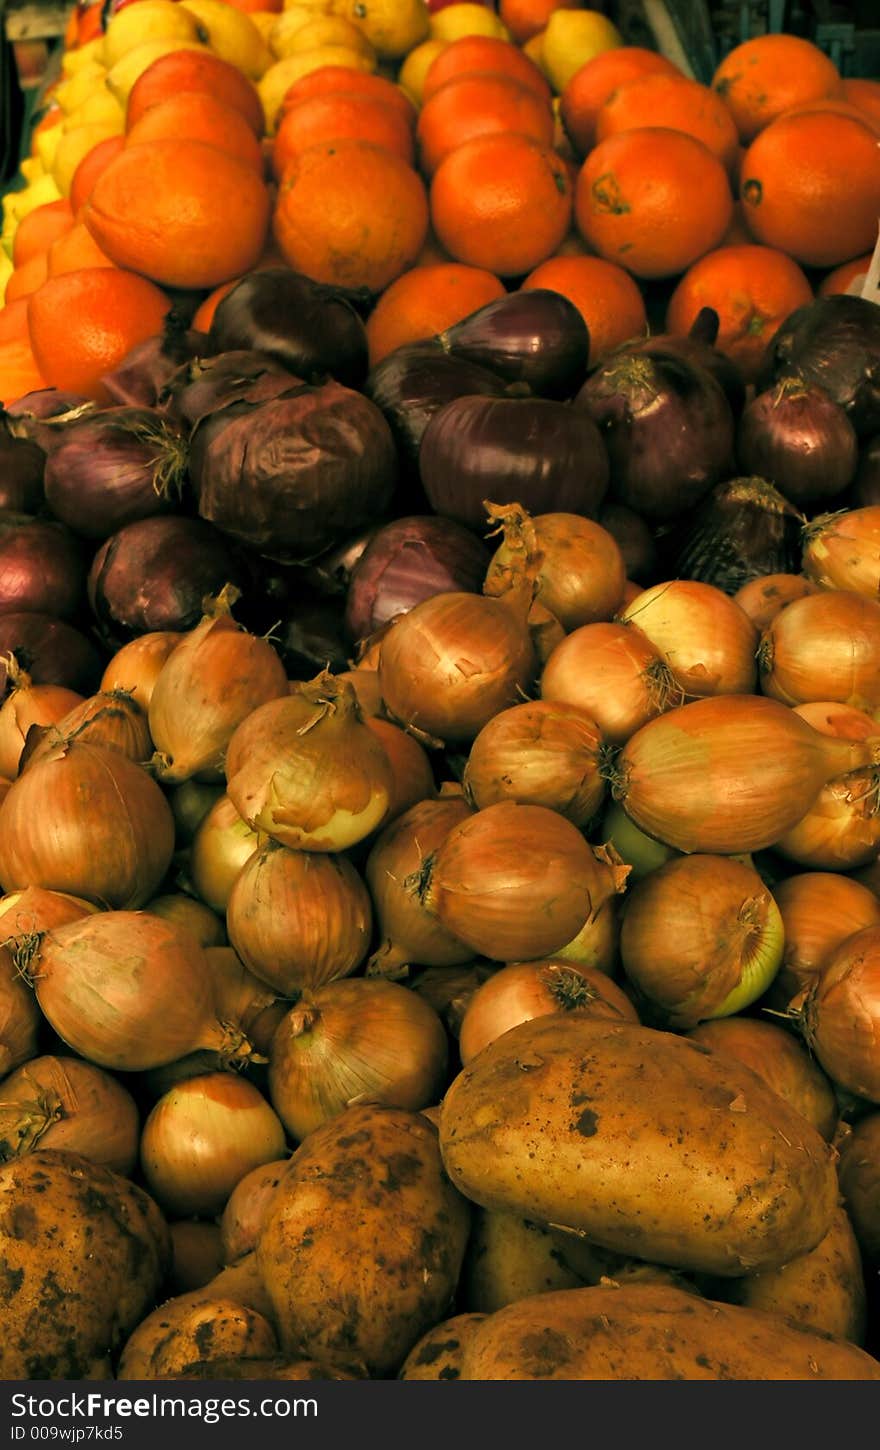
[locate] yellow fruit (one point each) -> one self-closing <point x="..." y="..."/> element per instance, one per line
<point x="416" y="66"/>
<point x="145" y="21"/>
<point x="573" y="37"/>
<point x="6" y="270"/>
<point x="393" y="27"/>
<point x="32" y="168"/>
<point x="77" y="88"/>
<point x="101" y="105"/>
<point x="274" y="85"/>
<point x="264" y="21"/>
<point x="17" y="204"/>
<point x="286" y="25"/>
<point x="318" y="30"/>
<point x="46" y="144"/>
<point x="467" y="18"/>
<point x="534" y="49"/>
<point x="122" y="76"/>
<point x="231" y="34"/>
<point x="73" y="146"/>
<point x="317" y="7"/>
<point x="74" y="60"/>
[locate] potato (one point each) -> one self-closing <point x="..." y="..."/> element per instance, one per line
<point x="781" y="1060"/>
<point x="437" y="1356"/>
<point x="362" y="1247"/>
<point x="190" y="1327"/>
<point x="509" y="1258"/>
<point x="654" y="1145"/>
<point x="651" y="1332"/>
<point x="82" y="1255"/>
<point x="859" y="1171"/>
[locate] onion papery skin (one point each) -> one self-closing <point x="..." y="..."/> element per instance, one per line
<point x="136" y="666"/>
<point x="615" y="674"/>
<point x="582" y="575"/>
<point x="242" y="998"/>
<point x="832" y="342"/>
<point x="28" y="705"/>
<point x="246" y="1208"/>
<point x="88" y="821"/>
<point x="859" y="1171"/>
<point x="364" y="1039"/>
<point x="42" y="567"/>
<point x="763" y="598"/>
<point x="538" y="338"/>
<point x="782" y="1061"/>
<point x="39" y="415"/>
<point x="707" y="641"/>
<point x="842" y="1015"/>
<point x="299" y="919"/>
<point x="212" y="681"/>
<point x="365" y="684"/>
<point x="208" y="384"/>
<point x="307" y="771"/>
<point x="842" y="551"/>
<point x="52" y="652"/>
<point x="742" y="529"/>
<point x="126" y="990"/>
<point x="395" y="872"/>
<point x="523" y="990"/>
<point x="449" y="989"/>
<point x="190" y="915"/>
<point x="113" y="468"/>
<point x="21" y="472"/>
<point x="535" y="452"/>
<point x="844" y="722"/>
<point x="513" y="882"/>
<point x="824" y="647"/>
<point x="539" y="753"/>
<point x="796" y="435"/>
<point x="454" y="661"/>
<point x="33" y="910"/>
<point x="634" y="539"/>
<point x="841" y="830"/>
<point x="221" y="845"/>
<point x="643" y="854"/>
<point x="820" y="909"/>
<point x="202" y="1137"/>
<point x="190" y="803"/>
<point x="700" y="937"/>
<point x="596" y="943"/>
<point x="20" y="1017"/>
<point x="412" y="775"/>
<point x="406" y="561"/>
<point x="111" y="719"/>
<point x="66" y="1104"/>
<point x="727" y="775"/>
<point x="141" y="379"/>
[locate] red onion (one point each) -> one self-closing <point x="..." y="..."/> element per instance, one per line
<point x="801" y="440"/>
<point x="21" y="472"/>
<point x="114" y="468"/>
<point x="330" y="574"/>
<point x="41" y="567"/>
<point x="308" y="327"/>
<point x="32" y="415"/>
<point x="835" y="343"/>
<point x="140" y="380"/>
<point x="538" y="337"/>
<point x="408" y="561"/>
<point x="51" y="651"/>
<point x="866" y="488"/>
<point x="210" y="383"/>
<point x="698" y="347"/>
<point x="634" y="540"/>
<point x="743" y="529"/>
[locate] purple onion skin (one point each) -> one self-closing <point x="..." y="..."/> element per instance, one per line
<point x="538" y="338"/>
<point x="833" y="342"/>
<point x="42" y="569"/>
<point x="634" y="539"/>
<point x="308" y="327"/>
<point x="407" y="561"/>
<point x="291" y="476"/>
<point x="232" y="377"/>
<point x="101" y="475"/>
<point x="704" y="355"/>
<point x="866" y="487"/>
<point x="311" y="638"/>
<point x="142" y="377"/>
<point x="52" y="652"/>
<point x="21" y="474"/>
<point x="794" y="435"/>
<point x="30" y="414"/>
<point x="156" y="574"/>
<point x="545" y="455"/>
<point x="668" y="428"/>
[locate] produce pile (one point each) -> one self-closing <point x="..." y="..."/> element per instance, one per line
<point x="439" y="743"/>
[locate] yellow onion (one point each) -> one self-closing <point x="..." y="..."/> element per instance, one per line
<point x="20" y="1017"/>
<point x="395" y="871"/>
<point x="615" y="675"/>
<point x="762" y="598"/>
<point x="412" y="779"/>
<point x="512" y="882"/>
<point x="643" y="854"/>
<point x="704" y="637"/>
<point x="242" y="998"/>
<point x="196" y="1254"/>
<point x="523" y="990"/>
<point x="727" y="775"/>
<point x="540" y="753"/>
<point x="202" y="1137"/>
<point x="190" y="802"/>
<point x="63" y="1103"/>
<point x="113" y="720"/>
<point x="596" y="945"/>
<point x="545" y="632"/>
<point x="363" y="1040"/>
<point x="26" y="705"/>
<point x="246" y="1207"/>
<point x="31" y="911"/>
<point x="701" y="937"/>
<point x="86" y="820"/>
<point x="190" y="915"/>
<point x="299" y="919"/>
<point x="841" y="1014"/>
<point x="307" y="771"/>
<point x="222" y="844"/>
<point x="365" y="684"/>
<point x="841" y="830"/>
<point x="136" y="667"/>
<point x="782" y="1061"/>
<point x="824" y="647"/>
<point x="844" y="721"/>
<point x="218" y="674"/>
<point x="842" y="551"/>
<point x="129" y="991"/>
<point x="859" y="1171"/>
<point x="819" y="909"/>
<point x="449" y="989"/>
<point x="581" y="575"/>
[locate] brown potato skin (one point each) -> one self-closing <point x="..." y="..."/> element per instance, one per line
<point x="362" y="1247"/>
<point x="508" y="1258"/>
<point x="859" y="1172"/>
<point x="651" y="1332"/>
<point x="781" y="1060"/>
<point x="199" y="1325"/>
<point x="82" y="1255"/>
<point x="651" y="1144"/>
<point x="437" y="1356"/>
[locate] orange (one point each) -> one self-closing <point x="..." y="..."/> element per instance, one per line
<point x="425" y="301"/>
<point x="753" y="289"/>
<point x="810" y="185"/>
<point x="249" y="6"/>
<point x="84" y="323"/>
<point x="195" y="70"/>
<point x="476" y="104"/>
<point x="90" y="168"/>
<point x="840" y="278"/>
<point x="19" y="373"/>
<point x="431" y="253"/>
<point x="592" y="85"/>
<point x="763" y="77"/>
<point x="340" y="114"/>
<point x="38" y="229"/>
<point x="676" y="102"/>
<point x="501" y="202"/>
<point x="350" y="213"/>
<point x="204" y="313"/>
<point x="180" y="212"/>
<point x="606" y="296"/>
<point x="196" y="116"/>
<point x="76" y="249"/>
<point x="863" y="94"/>
<point x="840" y="108"/>
<point x="330" y="79"/>
<point x="527" y="18"/>
<point x="484" y="53"/>
<point x="27" y="278"/>
<point x="653" y="200"/>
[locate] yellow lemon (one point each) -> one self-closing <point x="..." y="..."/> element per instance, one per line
<point x="467" y="18"/>
<point x="77" y="88"/>
<point x="393" y="27"/>
<point x="145" y="21"/>
<point x="416" y="67"/>
<point x="274" y="85"/>
<point x="45" y="145"/>
<point x="31" y="168"/>
<point x="230" y="34"/>
<point x="101" y="105"/>
<point x="264" y="20"/>
<point x="74" y="60"/>
<point x="573" y="37"/>
<point x="534" y="49"/>
<point x="122" y="76"/>
<point x="73" y="146"/>
<point x="286" y="25"/>
<point x="17" y="204"/>
<point x="320" y="30"/>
